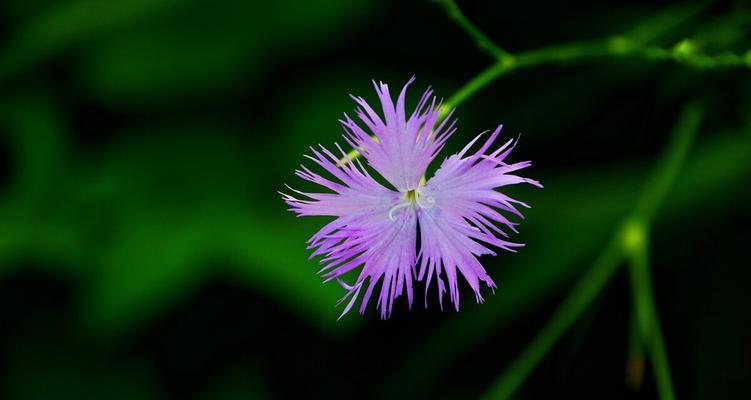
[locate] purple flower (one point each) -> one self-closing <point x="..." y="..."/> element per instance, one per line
<point x="458" y="212"/>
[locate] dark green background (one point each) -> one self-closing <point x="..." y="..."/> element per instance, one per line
<point x="145" y="253"/>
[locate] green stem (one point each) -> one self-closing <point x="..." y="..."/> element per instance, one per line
<point x="684" y="52"/>
<point x="455" y="13"/>
<point x="636" y="244"/>
<point x="475" y="84"/>
<point x="635" y="358"/>
<point x="629" y="239"/>
<point x="569" y="311"/>
<point x="612" y="47"/>
<point x="658" y="356"/>
<point x="671" y="163"/>
<point x="648" y="321"/>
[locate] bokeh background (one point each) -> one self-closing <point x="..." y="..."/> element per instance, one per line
<point x="146" y="254"/>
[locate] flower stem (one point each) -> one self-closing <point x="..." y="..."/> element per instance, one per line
<point x="635" y="358"/>
<point x="630" y="45"/>
<point x="482" y="41"/>
<point x="670" y="164"/>
<point x="647" y="319"/>
<point x="580" y="51"/>
<point x="567" y="313"/>
<point x="475" y="84"/>
<point x="629" y="239"/>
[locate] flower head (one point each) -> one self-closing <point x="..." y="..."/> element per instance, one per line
<point x="457" y="214"/>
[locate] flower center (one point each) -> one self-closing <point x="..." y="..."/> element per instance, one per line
<point x="413" y="197"/>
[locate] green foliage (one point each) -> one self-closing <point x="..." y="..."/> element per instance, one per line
<point x="153" y="215"/>
<point x="208" y="107"/>
<point x="200" y="47"/>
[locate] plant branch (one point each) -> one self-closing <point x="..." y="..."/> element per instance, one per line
<point x="483" y="42"/>
<point x="648" y="322"/>
<point x="626" y="240"/>
<point x="635" y="358"/>
<point x="567" y="313"/>
<point x="684" y="52"/>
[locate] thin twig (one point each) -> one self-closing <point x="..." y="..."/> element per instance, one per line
<point x="620" y="46"/>
<point x="683" y="53"/>
<point x="483" y="42"/>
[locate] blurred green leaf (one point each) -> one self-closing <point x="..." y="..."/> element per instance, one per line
<point x="68" y="23"/>
<point x="201" y="46"/>
<point x="139" y="223"/>
<point x="161" y="246"/>
<point x="209" y="46"/>
<point x="34" y="129"/>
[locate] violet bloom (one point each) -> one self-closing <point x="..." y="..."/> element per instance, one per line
<point x="457" y="212"/>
